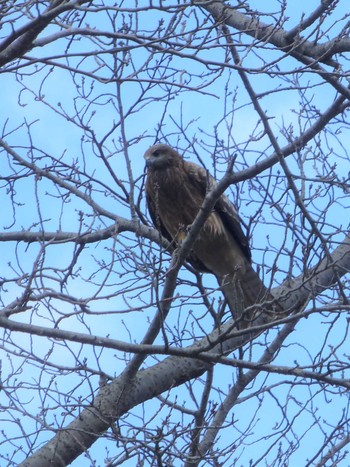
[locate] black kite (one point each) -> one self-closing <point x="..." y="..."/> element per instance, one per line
<point x="175" y="190"/>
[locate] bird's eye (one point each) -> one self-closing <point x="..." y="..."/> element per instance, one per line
<point x="155" y="153"/>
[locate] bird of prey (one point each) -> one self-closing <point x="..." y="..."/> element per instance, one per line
<point x="175" y="191"/>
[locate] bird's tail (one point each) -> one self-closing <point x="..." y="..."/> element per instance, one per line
<point x="247" y="296"/>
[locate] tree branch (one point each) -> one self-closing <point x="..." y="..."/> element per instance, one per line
<point x="21" y="40"/>
<point x="116" y="399"/>
<point x="288" y="42"/>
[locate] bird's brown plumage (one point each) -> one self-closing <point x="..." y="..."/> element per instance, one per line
<point x="175" y="190"/>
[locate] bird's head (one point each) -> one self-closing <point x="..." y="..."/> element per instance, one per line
<point x="160" y="156"/>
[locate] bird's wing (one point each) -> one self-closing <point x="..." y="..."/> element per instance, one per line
<point x="227" y="212"/>
<point x="157" y="222"/>
<point x="159" y="225"/>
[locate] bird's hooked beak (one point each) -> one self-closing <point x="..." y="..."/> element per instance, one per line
<point x="158" y="157"/>
<point x="148" y="162"/>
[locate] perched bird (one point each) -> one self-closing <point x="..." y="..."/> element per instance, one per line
<point x="175" y="191"/>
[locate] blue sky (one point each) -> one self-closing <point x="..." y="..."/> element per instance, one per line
<point x="200" y="115"/>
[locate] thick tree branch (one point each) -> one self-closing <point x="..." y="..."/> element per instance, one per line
<point x="65" y="58"/>
<point x="21" y="40"/>
<point x="121" y="225"/>
<point x="222" y="411"/>
<point x="288" y="42"/>
<point x="115" y="399"/>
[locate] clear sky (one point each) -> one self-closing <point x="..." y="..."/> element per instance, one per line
<point x="58" y="113"/>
